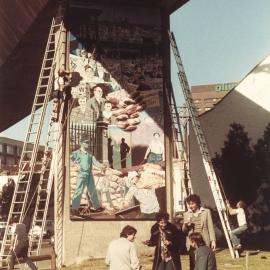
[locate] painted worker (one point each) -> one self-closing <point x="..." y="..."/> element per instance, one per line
<point x="85" y="161"/>
<point x="147" y="198"/>
<point x="124" y="150"/>
<point x="96" y="103"/>
<point x="165" y="237"/>
<point x="198" y="219"/>
<point x="155" y="150"/>
<point x="81" y="114"/>
<point x="19" y="244"/>
<point x="121" y="253"/>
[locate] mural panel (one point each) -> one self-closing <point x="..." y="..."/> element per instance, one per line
<point x="117" y="159"/>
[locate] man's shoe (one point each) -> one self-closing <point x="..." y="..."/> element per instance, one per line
<point x="237" y="247"/>
<point x="100" y="209"/>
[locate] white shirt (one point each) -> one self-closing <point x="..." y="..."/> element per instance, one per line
<point x="156" y="147"/>
<point x="58" y="83"/>
<point x="241" y="216"/>
<point x="122" y="255"/>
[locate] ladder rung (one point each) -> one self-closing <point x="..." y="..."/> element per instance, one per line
<point x="45" y="77"/>
<point x="20" y="192"/>
<point x="38" y="104"/>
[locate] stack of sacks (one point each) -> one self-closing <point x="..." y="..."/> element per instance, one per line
<point x="151" y="176"/>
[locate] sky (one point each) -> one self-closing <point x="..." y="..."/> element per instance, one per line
<point x="220" y="41"/>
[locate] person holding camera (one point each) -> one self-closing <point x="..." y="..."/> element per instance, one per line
<point x="165" y="237"/>
<point x="198" y="219"/>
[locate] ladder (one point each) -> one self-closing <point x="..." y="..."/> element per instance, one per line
<point x="49" y="158"/>
<point x="209" y="169"/>
<point x="44" y="191"/>
<point x="181" y="149"/>
<point x="29" y="159"/>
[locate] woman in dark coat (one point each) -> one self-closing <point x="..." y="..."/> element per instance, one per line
<point x="165" y="237"/>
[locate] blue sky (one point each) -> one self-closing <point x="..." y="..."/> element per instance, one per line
<point x="220" y="41"/>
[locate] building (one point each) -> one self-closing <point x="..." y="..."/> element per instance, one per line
<point x="132" y="54"/>
<point x="237" y="124"/>
<point x="10" y="151"/>
<point x="207" y="96"/>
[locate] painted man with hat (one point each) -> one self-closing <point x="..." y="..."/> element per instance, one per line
<point x="85" y="161"/>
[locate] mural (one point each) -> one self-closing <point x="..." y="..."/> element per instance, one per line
<point x="117" y="158"/>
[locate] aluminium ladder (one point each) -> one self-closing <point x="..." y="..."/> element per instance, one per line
<point x="179" y="143"/>
<point x="44" y="191"/>
<point x="29" y="160"/>
<point x="209" y="169"/>
<point x="49" y="158"/>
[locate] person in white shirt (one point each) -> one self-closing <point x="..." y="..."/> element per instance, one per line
<point x="155" y="150"/>
<point x="241" y="220"/>
<point x="146" y="196"/>
<point x="121" y="253"/>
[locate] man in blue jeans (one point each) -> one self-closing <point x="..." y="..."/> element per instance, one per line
<point x="84" y="160"/>
<point x="241" y="220"/>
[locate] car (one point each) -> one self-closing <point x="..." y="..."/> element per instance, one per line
<point x="36" y="232"/>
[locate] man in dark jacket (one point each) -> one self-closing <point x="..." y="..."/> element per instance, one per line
<point x="165" y="237"/>
<point x="204" y="256"/>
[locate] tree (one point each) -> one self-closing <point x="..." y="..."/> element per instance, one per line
<point x="235" y="165"/>
<point x="262" y="156"/>
<point x="7" y="195"/>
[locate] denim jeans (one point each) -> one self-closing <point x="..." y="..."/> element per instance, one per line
<point x="236" y="233"/>
<point x="85" y="179"/>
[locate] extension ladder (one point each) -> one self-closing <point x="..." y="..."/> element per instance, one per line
<point x="209" y="169"/>
<point x="181" y="149"/>
<point x="49" y="158"/>
<point x="29" y="161"/>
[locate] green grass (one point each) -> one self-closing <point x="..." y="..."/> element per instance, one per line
<point x="256" y="261"/>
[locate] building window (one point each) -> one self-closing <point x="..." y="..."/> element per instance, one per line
<point x="10" y="150"/>
<point x="19" y="151"/>
<point x="1" y="148"/>
<point x="10" y="161"/>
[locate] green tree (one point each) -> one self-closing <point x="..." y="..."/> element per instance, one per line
<point x="235" y="165"/>
<point x="262" y="156"/>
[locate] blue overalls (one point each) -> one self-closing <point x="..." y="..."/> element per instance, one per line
<point x="85" y="178"/>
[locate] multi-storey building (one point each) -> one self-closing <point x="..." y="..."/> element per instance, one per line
<point x="207" y="96"/>
<point x="10" y="151"/>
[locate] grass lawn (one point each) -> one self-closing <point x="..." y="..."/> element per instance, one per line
<point x="255" y="261"/>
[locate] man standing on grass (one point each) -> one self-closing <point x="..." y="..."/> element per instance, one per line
<point x="121" y="253"/>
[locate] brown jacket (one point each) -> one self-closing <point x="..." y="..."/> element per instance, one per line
<point x="207" y="227"/>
